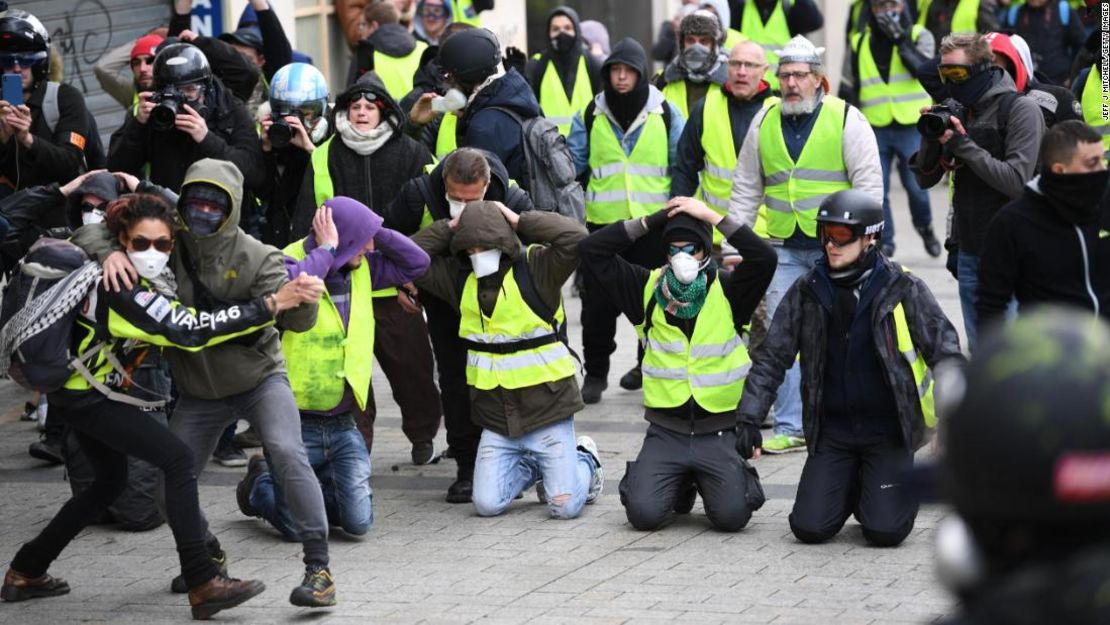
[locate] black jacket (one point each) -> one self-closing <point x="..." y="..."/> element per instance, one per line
<point x="231" y="137"/>
<point x="53" y="156"/>
<point x="496" y="131"/>
<point x="803" y="16"/>
<point x="285" y="172"/>
<point x="1032" y="253"/>
<point x="1052" y="43"/>
<point x="800" y="329"/>
<point x="599" y="255"/>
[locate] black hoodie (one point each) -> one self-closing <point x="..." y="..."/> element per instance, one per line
<point x="627" y="106"/>
<point x="566" y="63"/>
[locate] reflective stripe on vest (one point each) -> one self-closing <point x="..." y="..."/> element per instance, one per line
<point x="445" y="137"/>
<point x="897" y="99"/>
<point x="720" y="158"/>
<point x="922" y="376"/>
<point x="324" y="360"/>
<point x="512" y="320"/>
<point x="397" y="72"/>
<point x="771" y="36"/>
<point x="675" y="93"/>
<point x="793" y="191"/>
<point x="624" y="187"/>
<point x="553" y="97"/>
<point x="1092" y="105"/>
<point x="965" y="19"/>
<point x="711" y="366"/>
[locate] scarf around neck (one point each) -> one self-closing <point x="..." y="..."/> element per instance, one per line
<point x="362" y="143"/>
<point x="681" y="300"/>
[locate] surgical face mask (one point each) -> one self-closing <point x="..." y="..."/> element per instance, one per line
<point x="204" y="223"/>
<point x="92" y="217"/>
<point x="686" y="268"/>
<point x="696" y="57"/>
<point x="149" y="263"/>
<point x="485" y="263"/>
<point x="453" y="100"/>
<point x="456" y="206"/>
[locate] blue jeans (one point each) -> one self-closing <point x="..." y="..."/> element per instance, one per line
<point x="898" y="141"/>
<point x="793" y="264"/>
<point x="508" y="466"/>
<point x="339" y="458"/>
<point x="967" y="267"/>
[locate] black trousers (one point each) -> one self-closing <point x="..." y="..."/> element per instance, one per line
<point x="669" y="460"/>
<point x="857" y="475"/>
<point x="108" y="432"/>
<point x="462" y="434"/>
<point x="599" y="314"/>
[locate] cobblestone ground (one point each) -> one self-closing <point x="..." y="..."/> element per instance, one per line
<point x="426" y="561"/>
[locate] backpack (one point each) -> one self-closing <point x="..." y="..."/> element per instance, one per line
<point x="551" y="181"/>
<point x="95" y="157"/>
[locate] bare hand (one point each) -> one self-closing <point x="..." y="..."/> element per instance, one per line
<point x="145" y="107"/>
<point x="406" y="297"/>
<point x="129" y="182"/>
<point x="72" y="185"/>
<point x="510" y="216"/>
<point x="324" y="227"/>
<point x="300" y="134"/>
<point x="5" y="130"/>
<point x="304" y="289"/>
<point x="422" y="113"/>
<point x="266" y="122"/>
<point x="186" y="35"/>
<point x="693" y="208"/>
<point x="119" y="273"/>
<point x="454" y="223"/>
<point x="19" y="120"/>
<point x="731" y="261"/>
<point x="191" y="123"/>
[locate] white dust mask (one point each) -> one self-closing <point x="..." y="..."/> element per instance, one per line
<point x="485" y="263"/>
<point x="149" y="263"/>
<point x="685" y="267"/>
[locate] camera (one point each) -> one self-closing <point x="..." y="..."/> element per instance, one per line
<point x="168" y="104"/>
<point x="939" y="118"/>
<point x="281" y="133"/>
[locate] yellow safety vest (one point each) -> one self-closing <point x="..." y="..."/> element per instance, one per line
<point x="710" y="366"/>
<point x="675" y="93"/>
<point x="1093" y="103"/>
<point x="624" y="187"/>
<point x="965" y="19"/>
<point x="463" y="11"/>
<point x="513" y="321"/>
<point x="793" y="191"/>
<point x="396" y="72"/>
<point x="922" y="376"/>
<point x="720" y="158"/>
<point x="324" y="360"/>
<point x="445" y="137"/>
<point x="772" y="36"/>
<point x="896" y="100"/>
<point x="732" y="38"/>
<point x="553" y="97"/>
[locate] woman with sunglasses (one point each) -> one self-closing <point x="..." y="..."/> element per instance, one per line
<point x="101" y="405"/>
<point x="868" y="335"/>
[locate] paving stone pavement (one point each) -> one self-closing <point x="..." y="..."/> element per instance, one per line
<point x="426" y="561"/>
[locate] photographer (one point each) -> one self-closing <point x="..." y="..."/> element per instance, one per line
<point x="190" y="116"/>
<point x="987" y="136"/>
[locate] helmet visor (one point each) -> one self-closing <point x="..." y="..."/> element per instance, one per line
<point x="9" y="60"/>
<point x="837" y="234"/>
<point x="312" y="109"/>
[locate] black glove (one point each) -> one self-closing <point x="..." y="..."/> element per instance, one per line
<point x="515" y="59"/>
<point x="748" y="437"/>
<point x="953" y="260"/>
<point x="891" y="27"/>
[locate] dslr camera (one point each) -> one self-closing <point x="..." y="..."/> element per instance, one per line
<point x="281" y="133"/>
<point x="168" y="104"/>
<point x="933" y="123"/>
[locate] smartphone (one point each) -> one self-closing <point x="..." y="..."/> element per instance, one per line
<point x="12" y="89"/>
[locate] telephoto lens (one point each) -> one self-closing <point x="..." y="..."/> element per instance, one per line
<point x="164" y="115"/>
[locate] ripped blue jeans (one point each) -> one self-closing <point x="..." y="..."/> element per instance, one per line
<point x="508" y="466"/>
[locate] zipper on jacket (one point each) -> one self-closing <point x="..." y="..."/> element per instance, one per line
<point x="1086" y="267"/>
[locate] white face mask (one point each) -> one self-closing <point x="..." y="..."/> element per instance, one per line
<point x="485" y="263"/>
<point x="686" y="267"/>
<point x="453" y="100"/>
<point x="91" y="217"/>
<point x="150" y="263"/>
<point x="456" y="206"/>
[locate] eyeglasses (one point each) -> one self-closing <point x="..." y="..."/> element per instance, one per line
<point x="745" y="65"/>
<point x="27" y="59"/>
<point x="689" y="248"/>
<point x="788" y="76"/>
<point x="957" y="73"/>
<point x="838" y="234"/>
<point x="142" y="244"/>
<point x="88" y="207"/>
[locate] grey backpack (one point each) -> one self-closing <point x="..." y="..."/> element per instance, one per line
<point x="551" y="181"/>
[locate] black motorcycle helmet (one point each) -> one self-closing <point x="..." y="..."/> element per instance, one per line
<point x="852" y="208"/>
<point x="470" y="56"/>
<point x="23" y="35"/>
<point x="181" y="64"/>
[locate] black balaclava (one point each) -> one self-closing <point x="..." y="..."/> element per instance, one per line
<point x="882" y="48"/>
<point x="1077" y="197"/>
<point x="981" y="80"/>
<point x="566" y="59"/>
<point x="627" y="106"/>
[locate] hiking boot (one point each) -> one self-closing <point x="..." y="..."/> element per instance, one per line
<point x="592" y="389"/>
<point x="784" y="443"/>
<point x="316" y="591"/>
<point x="932" y="245"/>
<point x="48" y="449"/>
<point x="597" y="480"/>
<point x="687" y="495"/>
<point x="221" y="593"/>
<point x="423" y="452"/>
<point x="220" y="560"/>
<point x="19" y="587"/>
<point x="247" y="439"/>
<point x="255" y="468"/>
<point x="463" y="488"/>
<point x="229" y="455"/>
<point x="633" y="380"/>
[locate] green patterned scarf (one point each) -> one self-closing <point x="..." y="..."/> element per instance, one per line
<point x="681" y="300"/>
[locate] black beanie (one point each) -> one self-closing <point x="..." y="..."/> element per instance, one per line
<point x="683" y="227"/>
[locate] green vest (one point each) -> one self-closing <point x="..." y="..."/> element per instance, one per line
<point x="675" y="93"/>
<point x="922" y="377"/>
<point x="512" y="321"/>
<point x="710" y="366"/>
<point x="896" y="100"/>
<point x="396" y="72"/>
<point x="463" y="11"/>
<point x="445" y="137"/>
<point x="720" y="158"/>
<point x="553" y="98"/>
<point x="772" y="36"/>
<point x="793" y="191"/>
<point x="624" y="187"/>
<point x="1093" y="103"/>
<point x="965" y="19"/>
<point x="326" y="358"/>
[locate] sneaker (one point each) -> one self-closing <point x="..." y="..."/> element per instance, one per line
<point x="423" y="452"/>
<point x="19" y="587"/>
<point x="597" y="480"/>
<point x="255" y="468"/>
<point x="592" y="389"/>
<point x="177" y="585"/>
<point x="463" y="488"/>
<point x="48" y="450"/>
<point x="221" y="593"/>
<point x="633" y="380"/>
<point x="30" y="412"/>
<point x="783" y="444"/>
<point x="247" y="439"/>
<point x="316" y="591"/>
<point x="229" y="455"/>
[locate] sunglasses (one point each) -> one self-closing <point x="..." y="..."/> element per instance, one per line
<point x="8" y="61"/>
<point x="433" y="10"/>
<point x="838" y="234"/>
<point x="88" y="207"/>
<point x="689" y="248"/>
<point x="142" y="244"/>
<point x="956" y="73"/>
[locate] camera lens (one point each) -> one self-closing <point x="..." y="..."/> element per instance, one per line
<point x="164" y="115"/>
<point x="932" y="124"/>
<point x="280" y="134"/>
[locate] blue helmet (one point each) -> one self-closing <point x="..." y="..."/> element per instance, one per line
<point x="299" y="87"/>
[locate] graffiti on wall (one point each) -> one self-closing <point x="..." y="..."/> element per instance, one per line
<point x="84" y="36"/>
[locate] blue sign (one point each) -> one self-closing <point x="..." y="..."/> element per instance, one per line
<point x="208" y="17"/>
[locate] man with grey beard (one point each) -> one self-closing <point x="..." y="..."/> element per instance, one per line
<point x="796" y="153"/>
